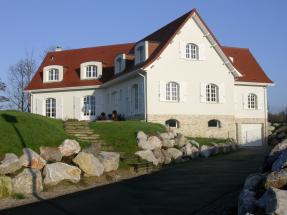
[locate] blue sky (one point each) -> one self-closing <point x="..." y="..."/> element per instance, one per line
<point x="35" y="25"/>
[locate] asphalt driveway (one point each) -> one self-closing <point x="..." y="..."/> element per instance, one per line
<point x="201" y="186"/>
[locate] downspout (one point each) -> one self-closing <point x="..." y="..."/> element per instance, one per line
<point x="145" y="95"/>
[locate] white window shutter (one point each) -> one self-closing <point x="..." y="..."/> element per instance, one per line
<point x="130" y="100"/>
<point x="182" y="49"/>
<point x="141" y="98"/>
<point x="221" y="93"/>
<point x="59" y="108"/>
<point x="162" y="91"/>
<point x="260" y="103"/>
<point x="201" y="51"/>
<point x="203" y="92"/>
<point x="245" y="101"/>
<point x="39" y="107"/>
<point x="77" y="107"/>
<point x="182" y="91"/>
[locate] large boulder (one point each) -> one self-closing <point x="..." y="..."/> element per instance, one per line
<point x="194" y="152"/>
<point x="159" y="155"/>
<point x="57" y="172"/>
<point x="90" y="165"/>
<point x="28" y="181"/>
<point x="141" y="136"/>
<point x="168" y="143"/>
<point x="32" y="159"/>
<point x="276" y="179"/>
<point x="174" y="153"/>
<point x="246" y="202"/>
<point x="151" y="143"/>
<point x="180" y="140"/>
<point x="148" y="156"/>
<point x="10" y="164"/>
<point x="110" y="160"/>
<point x="206" y="151"/>
<point x="195" y="143"/>
<point x="167" y="135"/>
<point x="167" y="156"/>
<point x="187" y="150"/>
<point x="253" y="182"/>
<point x="281" y="162"/>
<point x="276" y="152"/>
<point x="94" y="148"/>
<point x="281" y="135"/>
<point x="51" y="154"/>
<point x="69" y="147"/>
<point x="6" y="188"/>
<point x="274" y="201"/>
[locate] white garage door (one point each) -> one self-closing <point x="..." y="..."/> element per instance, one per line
<point x="251" y="134"/>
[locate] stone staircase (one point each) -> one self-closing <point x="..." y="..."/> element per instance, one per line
<point x="82" y="131"/>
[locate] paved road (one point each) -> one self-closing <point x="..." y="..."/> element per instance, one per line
<point x="202" y="186"/>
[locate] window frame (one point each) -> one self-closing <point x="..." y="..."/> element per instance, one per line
<point x="172" y="120"/>
<point x="218" y="123"/>
<point x="212" y="93"/>
<point x="191" y="51"/>
<point x="172" y="91"/>
<point x="91" y="73"/>
<point x="252" y="101"/>
<point x="51" y="107"/>
<point x="53" y="74"/>
<point x="89" y="105"/>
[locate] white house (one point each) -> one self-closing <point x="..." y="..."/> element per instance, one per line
<point x="179" y="76"/>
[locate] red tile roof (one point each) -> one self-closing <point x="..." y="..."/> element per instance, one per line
<point x="71" y="59"/>
<point x="247" y="65"/>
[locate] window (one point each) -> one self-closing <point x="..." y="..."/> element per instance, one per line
<point x="252" y="101"/>
<point x="53" y="75"/>
<point x="212" y="93"/>
<point x="135" y="97"/>
<point x="91" y="71"/>
<point x="172" y="91"/>
<point x="172" y="123"/>
<point x="89" y="106"/>
<point x="114" y="98"/>
<point x="140" y="51"/>
<point x="191" y="51"/>
<point x="214" y="123"/>
<point x="119" y="64"/>
<point x="51" y="107"/>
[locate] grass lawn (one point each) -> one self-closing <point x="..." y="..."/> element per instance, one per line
<point x="122" y="135"/>
<point x="18" y="130"/>
<point x="207" y="141"/>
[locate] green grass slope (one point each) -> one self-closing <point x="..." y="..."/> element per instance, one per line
<point x="18" y="130"/>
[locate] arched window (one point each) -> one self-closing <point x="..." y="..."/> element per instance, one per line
<point x="172" y="123"/>
<point x="191" y="51"/>
<point x="212" y="93"/>
<point x="89" y="106"/>
<point x="51" y="107"/>
<point x="252" y="101"/>
<point x="53" y="74"/>
<point x="91" y="71"/>
<point x="172" y="91"/>
<point x="214" y="123"/>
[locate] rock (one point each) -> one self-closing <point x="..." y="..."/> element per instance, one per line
<point x="148" y="156"/>
<point x="51" y="154"/>
<point x="275" y="152"/>
<point x="274" y="201"/>
<point x="187" y="150"/>
<point x="110" y="160"/>
<point x="94" y="148"/>
<point x="6" y="188"/>
<point x="159" y="155"/>
<point x="246" y="202"/>
<point x="10" y="164"/>
<point x="280" y="162"/>
<point x="276" y="179"/>
<point x="271" y="128"/>
<point x="281" y="135"/>
<point x="28" y="181"/>
<point x="215" y="148"/>
<point x="180" y="140"/>
<point x="174" y="153"/>
<point x="90" y="165"/>
<point x="141" y="136"/>
<point x="167" y="156"/>
<point x="194" y="152"/>
<point x="69" y="147"/>
<point x="167" y="143"/>
<point x="196" y="144"/>
<point x="274" y="142"/>
<point x="152" y="142"/>
<point x="226" y="148"/>
<point x="31" y="159"/>
<point x="206" y="151"/>
<point x="253" y="182"/>
<point x="57" y="172"/>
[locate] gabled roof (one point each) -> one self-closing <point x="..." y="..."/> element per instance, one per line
<point x="244" y="62"/>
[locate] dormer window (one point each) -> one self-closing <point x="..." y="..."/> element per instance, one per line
<point x="120" y="63"/>
<point x="141" y="52"/>
<point x="91" y="70"/>
<point x="53" y="73"/>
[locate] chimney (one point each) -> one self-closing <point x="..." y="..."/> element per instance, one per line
<point x="58" y="49"/>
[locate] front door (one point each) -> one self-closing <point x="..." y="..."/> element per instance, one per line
<point x="88" y="109"/>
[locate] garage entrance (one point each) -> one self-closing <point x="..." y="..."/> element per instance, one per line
<point x="251" y="134"/>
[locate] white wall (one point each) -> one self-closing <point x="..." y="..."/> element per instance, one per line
<point x="171" y="67"/>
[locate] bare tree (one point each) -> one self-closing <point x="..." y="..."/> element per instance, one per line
<point x="2" y="98"/>
<point x="19" y="76"/>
